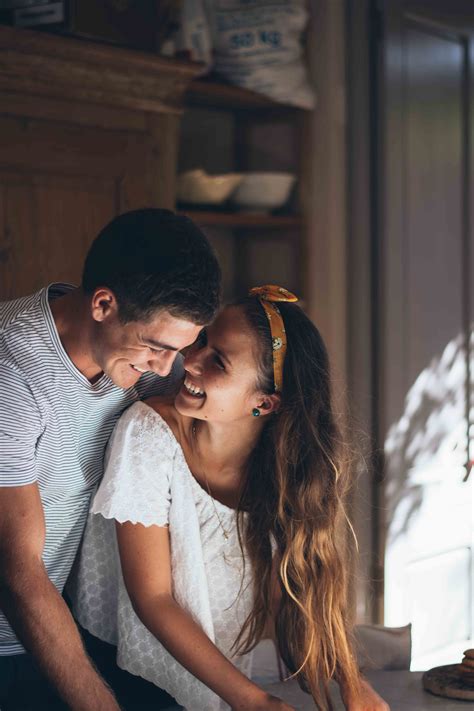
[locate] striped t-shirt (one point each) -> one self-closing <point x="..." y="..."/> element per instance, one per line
<point x="54" y="425"/>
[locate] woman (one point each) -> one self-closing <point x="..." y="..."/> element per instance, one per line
<point x="228" y="509"/>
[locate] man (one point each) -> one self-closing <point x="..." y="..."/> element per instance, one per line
<point x="71" y="360"/>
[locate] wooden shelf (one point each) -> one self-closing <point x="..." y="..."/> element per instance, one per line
<point x="216" y="94"/>
<point x="244" y="220"/>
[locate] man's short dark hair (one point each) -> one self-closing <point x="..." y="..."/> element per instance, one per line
<point x="154" y="260"/>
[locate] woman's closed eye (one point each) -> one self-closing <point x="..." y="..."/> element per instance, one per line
<point x="201" y="342"/>
<point x="219" y="362"/>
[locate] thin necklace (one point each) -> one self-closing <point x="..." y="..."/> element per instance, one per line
<point x="225" y="533"/>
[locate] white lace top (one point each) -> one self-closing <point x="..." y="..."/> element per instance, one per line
<point x="147" y="481"/>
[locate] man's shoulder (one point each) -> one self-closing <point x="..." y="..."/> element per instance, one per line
<point x="22" y="334"/>
<point x="11" y="312"/>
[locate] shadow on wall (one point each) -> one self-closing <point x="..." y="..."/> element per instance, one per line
<point x="428" y="444"/>
<point x="428" y="512"/>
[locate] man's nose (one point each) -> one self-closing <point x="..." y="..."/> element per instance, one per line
<point x="163" y="362"/>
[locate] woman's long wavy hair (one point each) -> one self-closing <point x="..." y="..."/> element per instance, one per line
<point x="293" y="495"/>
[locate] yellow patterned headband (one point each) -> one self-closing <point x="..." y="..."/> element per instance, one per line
<point x="268" y="295"/>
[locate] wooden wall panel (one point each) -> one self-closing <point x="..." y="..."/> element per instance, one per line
<point x="86" y="132"/>
<point x="47" y="227"/>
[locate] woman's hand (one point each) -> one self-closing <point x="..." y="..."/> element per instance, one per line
<point x="266" y="702"/>
<point x="367" y="700"/>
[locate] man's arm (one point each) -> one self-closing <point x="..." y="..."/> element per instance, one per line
<point x="35" y="609"/>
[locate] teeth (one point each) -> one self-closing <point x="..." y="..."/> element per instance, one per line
<point x="139" y="369"/>
<point x="193" y="389"/>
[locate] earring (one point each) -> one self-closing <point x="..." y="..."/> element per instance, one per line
<point x="255" y="412"/>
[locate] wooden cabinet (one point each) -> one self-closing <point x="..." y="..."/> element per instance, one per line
<point x="86" y="132"/>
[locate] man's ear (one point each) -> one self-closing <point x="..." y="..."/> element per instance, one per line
<point x="269" y="404"/>
<point x="103" y="304"/>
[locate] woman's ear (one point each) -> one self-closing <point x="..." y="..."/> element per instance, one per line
<point x="269" y="404"/>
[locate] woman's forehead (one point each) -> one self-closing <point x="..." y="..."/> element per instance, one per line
<point x="232" y="330"/>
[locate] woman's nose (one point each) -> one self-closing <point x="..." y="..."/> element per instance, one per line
<point x="193" y="361"/>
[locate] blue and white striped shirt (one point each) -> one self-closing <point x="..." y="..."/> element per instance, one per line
<point x="54" y="425"/>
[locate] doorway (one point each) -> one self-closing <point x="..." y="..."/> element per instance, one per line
<point x="424" y="312"/>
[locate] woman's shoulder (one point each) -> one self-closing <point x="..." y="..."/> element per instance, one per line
<point x="144" y="421"/>
<point x="139" y="464"/>
<point x="164" y="407"/>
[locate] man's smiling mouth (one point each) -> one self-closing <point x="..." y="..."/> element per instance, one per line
<point x="137" y="369"/>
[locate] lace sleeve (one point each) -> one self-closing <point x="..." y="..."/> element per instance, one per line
<point x="138" y="469"/>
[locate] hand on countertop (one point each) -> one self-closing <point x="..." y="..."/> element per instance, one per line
<point x="269" y="703"/>
<point x="368" y="700"/>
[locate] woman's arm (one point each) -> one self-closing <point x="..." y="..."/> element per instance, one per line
<point x="146" y="567"/>
<point x="368" y="700"/>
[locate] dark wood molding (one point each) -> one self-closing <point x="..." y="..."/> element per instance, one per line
<point x="362" y="321"/>
<point x="214" y="93"/>
<point x="51" y="66"/>
<point x="244" y="220"/>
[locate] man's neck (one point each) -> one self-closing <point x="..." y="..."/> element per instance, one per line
<point x="71" y="314"/>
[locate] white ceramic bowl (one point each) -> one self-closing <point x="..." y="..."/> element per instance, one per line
<point x="262" y="192"/>
<point x="199" y="188"/>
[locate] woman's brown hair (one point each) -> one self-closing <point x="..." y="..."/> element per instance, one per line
<point x="293" y="502"/>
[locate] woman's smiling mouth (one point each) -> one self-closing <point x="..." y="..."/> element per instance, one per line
<point x="192" y="389"/>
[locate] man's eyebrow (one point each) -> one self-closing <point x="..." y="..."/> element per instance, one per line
<point x="159" y="344"/>
<point x="221" y="354"/>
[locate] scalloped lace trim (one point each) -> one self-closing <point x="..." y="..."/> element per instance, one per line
<point x="163" y="522"/>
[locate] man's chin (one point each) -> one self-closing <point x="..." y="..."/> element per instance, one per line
<point x="125" y="378"/>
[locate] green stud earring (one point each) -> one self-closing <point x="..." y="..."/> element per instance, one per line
<point x="256" y="412"/>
